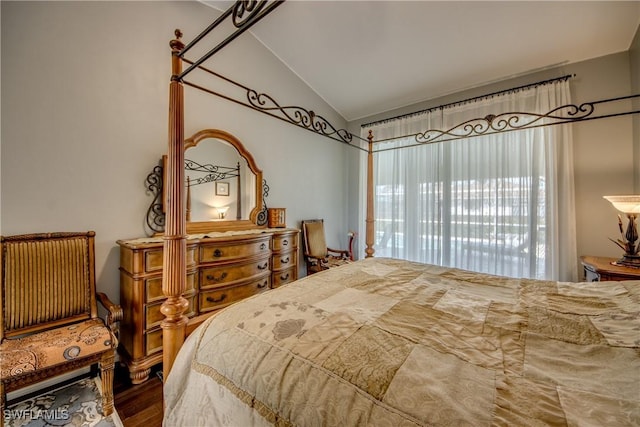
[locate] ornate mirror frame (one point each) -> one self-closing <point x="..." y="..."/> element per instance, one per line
<point x="226" y="225"/>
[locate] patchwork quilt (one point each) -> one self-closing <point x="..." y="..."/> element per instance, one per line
<point x="385" y="342"/>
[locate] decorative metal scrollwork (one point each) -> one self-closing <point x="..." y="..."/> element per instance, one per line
<point x="214" y="172"/>
<point x="255" y="10"/>
<point x="155" y="215"/>
<point x="262" y="215"/>
<point x="192" y="165"/>
<point x="491" y="123"/>
<point x="251" y="7"/>
<point x="298" y="116"/>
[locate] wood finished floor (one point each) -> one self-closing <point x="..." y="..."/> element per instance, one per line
<point x="138" y="405"/>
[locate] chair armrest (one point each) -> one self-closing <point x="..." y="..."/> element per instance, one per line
<point x="313" y="258"/>
<point x="339" y="252"/>
<point x="114" y="314"/>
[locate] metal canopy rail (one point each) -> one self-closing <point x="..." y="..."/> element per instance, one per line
<point x="244" y="14"/>
<point x="468" y="100"/>
<point x="266" y="104"/>
<point x="254" y="10"/>
<point x="309" y="120"/>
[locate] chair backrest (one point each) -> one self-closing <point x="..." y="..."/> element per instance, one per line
<point x="314" y="239"/>
<point x="48" y="280"/>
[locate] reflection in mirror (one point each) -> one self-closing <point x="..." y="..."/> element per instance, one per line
<point x="223" y="183"/>
<point x="220" y="185"/>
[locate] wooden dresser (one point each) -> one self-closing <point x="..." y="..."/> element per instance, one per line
<point x="222" y="268"/>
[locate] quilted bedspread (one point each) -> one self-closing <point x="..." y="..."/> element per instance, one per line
<point x="385" y="342"/>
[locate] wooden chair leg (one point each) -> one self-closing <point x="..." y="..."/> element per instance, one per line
<point x="107" y="364"/>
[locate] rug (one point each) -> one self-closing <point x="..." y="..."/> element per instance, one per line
<point x="77" y="404"/>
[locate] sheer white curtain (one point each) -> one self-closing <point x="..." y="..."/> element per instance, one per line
<point x="500" y="204"/>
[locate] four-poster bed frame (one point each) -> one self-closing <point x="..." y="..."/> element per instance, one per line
<point x="244" y="14"/>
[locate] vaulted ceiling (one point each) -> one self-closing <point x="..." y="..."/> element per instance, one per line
<point x="366" y="57"/>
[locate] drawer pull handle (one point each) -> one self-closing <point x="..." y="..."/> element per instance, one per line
<point x="217" y="253"/>
<point x="211" y="277"/>
<point x="285" y="243"/>
<point x="213" y="300"/>
<point x="263" y="285"/>
<point x="284" y="276"/>
<point x="263" y="246"/>
<point x="284" y="260"/>
<point x="263" y="266"/>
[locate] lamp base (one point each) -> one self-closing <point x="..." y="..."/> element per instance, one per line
<point x="629" y="261"/>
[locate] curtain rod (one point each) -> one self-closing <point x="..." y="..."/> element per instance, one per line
<point x="475" y="98"/>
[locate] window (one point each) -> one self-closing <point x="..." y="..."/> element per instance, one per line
<point x="499" y="203"/>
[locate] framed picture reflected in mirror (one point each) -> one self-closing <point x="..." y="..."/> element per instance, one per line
<point x="222" y="188"/>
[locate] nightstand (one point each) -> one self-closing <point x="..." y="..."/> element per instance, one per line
<point x="601" y="269"/>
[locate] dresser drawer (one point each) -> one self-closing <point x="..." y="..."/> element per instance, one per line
<point x="223" y="251"/>
<point x="148" y="259"/>
<point x="284" y="260"/>
<point x="284" y="242"/>
<point x="227" y="274"/>
<point x="279" y="278"/>
<point x="153" y="258"/>
<point x="222" y="297"/>
<point x="153" y="315"/>
<point x="154" y="286"/>
<point x="153" y="341"/>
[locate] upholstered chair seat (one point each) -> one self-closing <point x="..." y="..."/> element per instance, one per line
<point x="59" y="346"/>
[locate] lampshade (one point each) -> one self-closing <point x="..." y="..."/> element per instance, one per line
<point x="625" y="204"/>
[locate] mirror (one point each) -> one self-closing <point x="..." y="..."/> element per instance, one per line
<point x="223" y="183"/>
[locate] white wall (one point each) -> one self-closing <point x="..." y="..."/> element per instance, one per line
<point x="85" y="106"/>
<point x="603" y="154"/>
<point x="603" y="149"/>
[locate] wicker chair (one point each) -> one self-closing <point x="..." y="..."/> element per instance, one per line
<point x="317" y="255"/>
<point x="49" y="323"/>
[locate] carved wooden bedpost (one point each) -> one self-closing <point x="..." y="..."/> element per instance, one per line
<point x="370" y="220"/>
<point x="175" y="240"/>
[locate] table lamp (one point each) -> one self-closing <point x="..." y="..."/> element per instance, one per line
<point x="222" y="211"/>
<point x="629" y="205"/>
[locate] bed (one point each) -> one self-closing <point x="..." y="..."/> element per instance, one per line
<point x="385" y="341"/>
<point x="391" y="342"/>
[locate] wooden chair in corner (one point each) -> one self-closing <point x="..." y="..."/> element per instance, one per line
<point x="317" y="255"/>
<point x="49" y="323"/>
